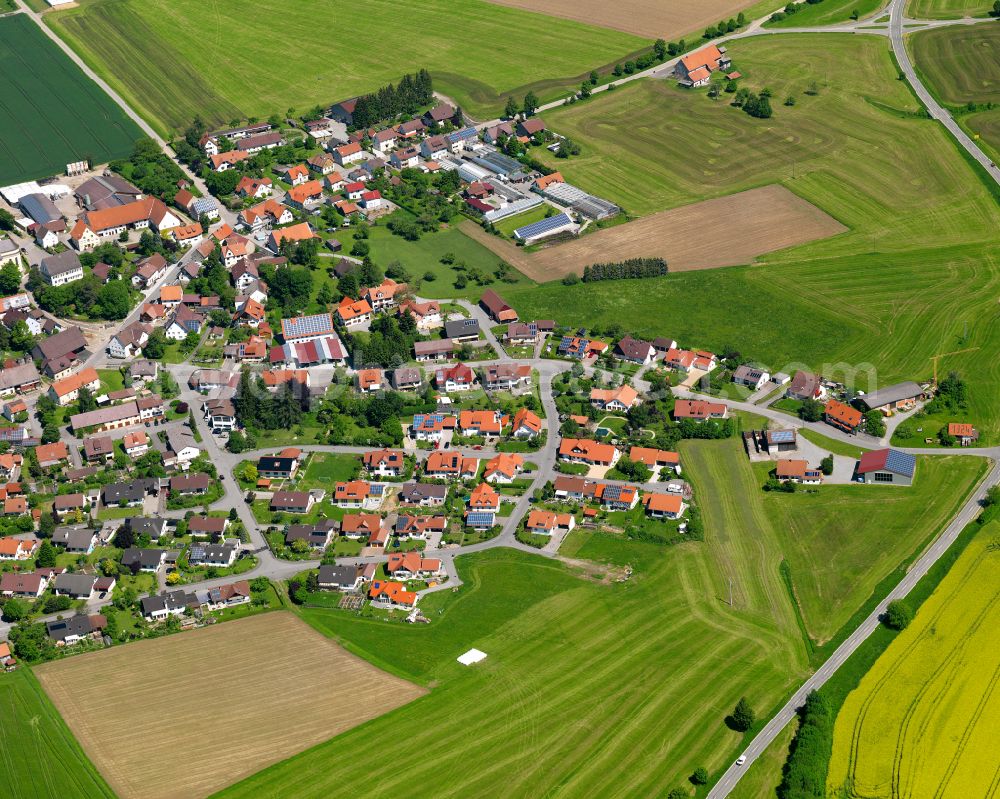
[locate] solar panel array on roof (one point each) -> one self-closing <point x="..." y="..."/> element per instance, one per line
<point x="499" y="163"/>
<point x="579" y="200"/>
<point x="612" y="492"/>
<point x="543" y="226"/>
<point x="479" y="517"/>
<point x="781" y="436"/>
<point x="301" y="326"/>
<point x="510" y="209"/>
<point x="900" y="462"/>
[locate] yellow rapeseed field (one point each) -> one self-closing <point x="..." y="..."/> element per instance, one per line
<point x="925" y="721"/>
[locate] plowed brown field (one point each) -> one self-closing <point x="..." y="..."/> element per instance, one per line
<point x="188" y="714"/>
<point x="649" y="18"/>
<point x="726" y="231"/>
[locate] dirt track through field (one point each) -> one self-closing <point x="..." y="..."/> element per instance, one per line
<point x="188" y="714"/>
<point x="648" y="18"/>
<point x="726" y="231"/>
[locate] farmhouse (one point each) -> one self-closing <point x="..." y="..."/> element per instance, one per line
<point x="67" y="390"/>
<point x="60" y="269"/>
<point x="696" y="69"/>
<point x="699" y="410"/>
<point x="965" y="434"/>
<point x="899" y="397"/>
<point x="886" y="466"/>
<point x="583" y="450"/>
<point x="797" y="471"/>
<point x="842" y="416"/>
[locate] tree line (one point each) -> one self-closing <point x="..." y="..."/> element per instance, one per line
<point x="804" y="773"/>
<point x="625" y="270"/>
<point x="406" y="97"/>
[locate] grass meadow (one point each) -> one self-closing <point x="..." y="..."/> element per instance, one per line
<point x="947" y="9"/>
<point x="41" y="758"/>
<point x="50" y="112"/>
<point x="172" y="61"/>
<point x="828" y="12"/>
<point x="959" y="65"/>
<point x="923" y="720"/>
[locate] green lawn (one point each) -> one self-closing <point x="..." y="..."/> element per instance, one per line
<point x="185" y="58"/>
<point x="959" y="65"/>
<point x="423" y="256"/>
<point x="326" y="468"/>
<point x="831" y="444"/>
<point x="827" y="12"/>
<point x="50" y="112"/>
<point x="947" y="9"/>
<point x="42" y="758"/>
<point x="511" y="223"/>
<point x="853" y="530"/>
<point x="111" y="379"/>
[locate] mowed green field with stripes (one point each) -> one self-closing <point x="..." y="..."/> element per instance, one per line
<point x="590" y="687"/>
<point x="924" y="720"/>
<point x="39" y="757"/>
<point x="50" y="112"/>
<point x="224" y="60"/>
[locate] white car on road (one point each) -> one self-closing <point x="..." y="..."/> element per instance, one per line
<point x="741" y="760"/>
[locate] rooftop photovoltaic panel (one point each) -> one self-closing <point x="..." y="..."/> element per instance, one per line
<point x="480" y="517"/>
<point x="782" y="436"/>
<point x="612" y="492"/>
<point x="307" y="325"/>
<point x="542" y="226"/>
<point x="900" y="462"/>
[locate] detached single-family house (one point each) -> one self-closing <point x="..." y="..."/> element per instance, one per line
<point x="634" y="350"/>
<point x="751" y="376"/>
<point x="544" y="522"/>
<point x="700" y="410"/>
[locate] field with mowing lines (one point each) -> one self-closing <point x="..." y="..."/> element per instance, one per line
<point x="961" y="63"/>
<point x="756" y="222"/>
<point x="558" y="707"/>
<point x="924" y="720"/>
<point x="264" y="687"/>
<point x="651" y="19"/>
<point x="50" y="112"/>
<point x="829" y="12"/>
<point x="174" y="60"/>
<point x="840" y="530"/>
<point x="947" y="9"/>
<point x="39" y="758"/>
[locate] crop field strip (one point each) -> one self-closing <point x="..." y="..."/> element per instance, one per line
<point x="651" y="19"/>
<point x="908" y="727"/>
<point x="947" y="9"/>
<point x="184" y="58"/>
<point x="755" y="222"/>
<point x="268" y="686"/>
<point x="50" y="112"/>
<point x="39" y="757"/>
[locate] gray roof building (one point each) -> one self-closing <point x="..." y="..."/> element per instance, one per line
<point x="40" y="208"/>
<point x="75" y="585"/>
<point x="60" y="264"/>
